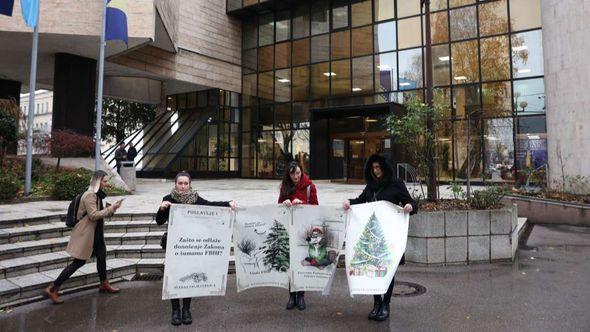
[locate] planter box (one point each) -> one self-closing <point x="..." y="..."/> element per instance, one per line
<point x="463" y="237"/>
<point x="548" y="211"/>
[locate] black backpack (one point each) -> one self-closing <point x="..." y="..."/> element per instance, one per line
<point x="71" y="217"/>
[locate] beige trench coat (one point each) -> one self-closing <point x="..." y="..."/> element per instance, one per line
<point x="82" y="236"/>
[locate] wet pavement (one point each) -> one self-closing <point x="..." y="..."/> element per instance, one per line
<point x="545" y="289"/>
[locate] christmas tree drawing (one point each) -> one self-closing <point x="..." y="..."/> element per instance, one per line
<point x="276" y="249"/>
<point x="371" y="255"/>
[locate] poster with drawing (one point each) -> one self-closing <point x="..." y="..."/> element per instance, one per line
<point x="261" y="246"/>
<point x="197" y="251"/>
<point x="316" y="237"/>
<point x="376" y="237"/>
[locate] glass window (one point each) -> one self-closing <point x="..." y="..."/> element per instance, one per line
<point x="410" y="69"/>
<point x="525" y="14"/>
<point x="458" y="3"/>
<point x="439" y="27"/>
<point x="301" y="148"/>
<point x="473" y="164"/>
<point x="465" y="101"/>
<point x="301" y="52"/>
<point x="438" y="4"/>
<point x="362" y="75"/>
<point x="384" y="10"/>
<point x="265" y="117"/>
<point x="266" y="29"/>
<point x="531" y="150"/>
<point x="283" y="116"/>
<point x="301" y="115"/>
<point x="527" y="54"/>
<point x="497" y="99"/>
<point x="181" y="102"/>
<point x="529" y="96"/>
<point x="465" y="64"/>
<point x="499" y="149"/>
<point x="493" y="18"/>
<point x="495" y="59"/>
<point x="361" y="13"/>
<point x="191" y="100"/>
<point x="301" y="83"/>
<point x="320" y="17"/>
<point x="463" y="23"/>
<point x="408" y="8"/>
<point x="362" y="43"/>
<point x="250" y="33"/>
<point x="301" y="21"/>
<point x="283" y="26"/>
<point x="385" y="72"/>
<point x="265" y="58"/>
<point x="265" y="85"/>
<point x="441" y="65"/>
<point x="283" y="55"/>
<point x="249" y="59"/>
<point x="409" y="33"/>
<point x="265" y="155"/>
<point x="341" y="44"/>
<point x="320" y="80"/>
<point x="340" y="76"/>
<point x="320" y="48"/>
<point x="385" y="37"/>
<point x="340" y="14"/>
<point x="283" y="85"/>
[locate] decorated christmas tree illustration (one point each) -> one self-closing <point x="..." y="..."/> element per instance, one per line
<point x="371" y="255"/>
<point x="276" y="249"/>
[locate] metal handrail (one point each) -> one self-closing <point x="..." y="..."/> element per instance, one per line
<point x="409" y="170"/>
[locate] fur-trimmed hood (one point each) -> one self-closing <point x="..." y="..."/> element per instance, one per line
<point x="387" y="169"/>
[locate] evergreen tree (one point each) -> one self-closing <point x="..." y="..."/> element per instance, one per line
<point x="276" y="249"/>
<point x="371" y="248"/>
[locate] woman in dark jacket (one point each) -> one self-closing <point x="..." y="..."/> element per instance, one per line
<point x="183" y="194"/>
<point x="297" y="188"/>
<point x="382" y="186"/>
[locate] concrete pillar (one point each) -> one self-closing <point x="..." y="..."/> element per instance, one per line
<point x="10" y="90"/>
<point x="567" y="77"/>
<point x="74" y="88"/>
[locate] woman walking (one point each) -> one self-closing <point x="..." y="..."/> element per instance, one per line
<point x="87" y="237"/>
<point x="182" y="193"/>
<point x="382" y="186"/>
<point x="297" y="188"/>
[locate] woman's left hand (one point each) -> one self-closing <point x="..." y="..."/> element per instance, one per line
<point x="296" y="201"/>
<point x="233" y="205"/>
<point x="408" y="208"/>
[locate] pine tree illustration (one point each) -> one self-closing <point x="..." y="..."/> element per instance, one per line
<point x="371" y="247"/>
<point x="276" y="249"/>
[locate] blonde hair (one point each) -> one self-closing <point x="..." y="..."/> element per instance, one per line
<point x="95" y="181"/>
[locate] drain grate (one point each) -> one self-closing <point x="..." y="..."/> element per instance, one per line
<point x="407" y="289"/>
<point x="147" y="277"/>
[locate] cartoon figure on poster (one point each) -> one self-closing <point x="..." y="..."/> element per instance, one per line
<point x="319" y="256"/>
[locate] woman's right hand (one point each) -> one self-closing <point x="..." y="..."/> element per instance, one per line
<point x="346" y="205"/>
<point x="165" y="205"/>
<point x="287" y="203"/>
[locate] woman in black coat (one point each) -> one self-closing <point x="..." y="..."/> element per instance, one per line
<point x="183" y="194"/>
<point x="382" y="186"/>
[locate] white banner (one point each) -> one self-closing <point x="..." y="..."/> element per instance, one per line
<point x="197" y="251"/>
<point x="261" y="246"/>
<point x="316" y="236"/>
<point x="375" y="242"/>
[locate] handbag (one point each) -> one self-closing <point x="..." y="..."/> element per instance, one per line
<point x="163" y="240"/>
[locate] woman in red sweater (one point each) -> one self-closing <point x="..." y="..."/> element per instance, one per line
<point x="297" y="188"/>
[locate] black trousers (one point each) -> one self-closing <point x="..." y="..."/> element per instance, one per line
<point x="387" y="296"/>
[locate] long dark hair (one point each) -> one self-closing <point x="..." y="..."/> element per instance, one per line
<point x="287" y="185"/>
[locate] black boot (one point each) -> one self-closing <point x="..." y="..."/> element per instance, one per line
<point x="175" y="317"/>
<point x="377" y="302"/>
<point x="383" y="313"/>
<point x="292" y="300"/>
<point x="300" y="300"/>
<point x="187" y="319"/>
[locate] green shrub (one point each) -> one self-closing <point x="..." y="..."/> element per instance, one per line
<point x="487" y="199"/>
<point x="9" y="186"/>
<point x="68" y="184"/>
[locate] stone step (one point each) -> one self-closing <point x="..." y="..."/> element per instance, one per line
<point x="520" y="227"/>
<point x="9" y="223"/>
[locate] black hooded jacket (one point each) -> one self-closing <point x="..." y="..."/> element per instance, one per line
<point x="387" y="188"/>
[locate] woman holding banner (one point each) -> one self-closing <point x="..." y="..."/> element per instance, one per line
<point x="381" y="185"/>
<point x="297" y="188"/>
<point x="182" y="193"/>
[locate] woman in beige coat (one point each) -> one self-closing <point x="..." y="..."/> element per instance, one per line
<point x="87" y="237"/>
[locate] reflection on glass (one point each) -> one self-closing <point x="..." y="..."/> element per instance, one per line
<point x="249" y="85"/>
<point x="458" y="3"/>
<point x="266" y="31"/>
<point x="341" y="44"/>
<point x="410" y="69"/>
<point x="362" y="76"/>
<point x="385" y="37"/>
<point x="529" y="96"/>
<point x="301" y="148"/>
<point x="408" y="8"/>
<point x="439" y="26"/>
<point x="283" y="116"/>
<point x="265" y="85"/>
<point x="301" y="115"/>
<point x="465" y="101"/>
<point x="472" y="147"/>
<point x="362" y="43"/>
<point x="497" y="99"/>
<point x="249" y="59"/>
<point x="301" y="83"/>
<point x="495" y="59"/>
<point x="438" y="4"/>
<point x="250" y="33"/>
<point x="384" y="10"/>
<point x="320" y="80"/>
<point x="283" y="85"/>
<point x="527" y="54"/>
<point x="525" y="14"/>
<point x="301" y="52"/>
<point x="493" y="18"/>
<point x="361" y="13"/>
<point x="444" y="146"/>
<point x="465" y="64"/>
<point x="409" y="33"/>
<point x="265" y="117"/>
<point x="340" y="77"/>
<point x="385" y="72"/>
<point x="265" y="154"/>
<point x="320" y="17"/>
<point x="499" y="149"/>
<point x="301" y="21"/>
<point x="265" y="58"/>
<point x="339" y="14"/>
<point x="463" y="23"/>
<point x="320" y="48"/>
<point x="283" y="55"/>
<point x="441" y="63"/>
<point x="531" y="148"/>
<point x="283" y="26"/>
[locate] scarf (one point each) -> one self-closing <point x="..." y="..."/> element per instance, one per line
<point x="186" y="197"/>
